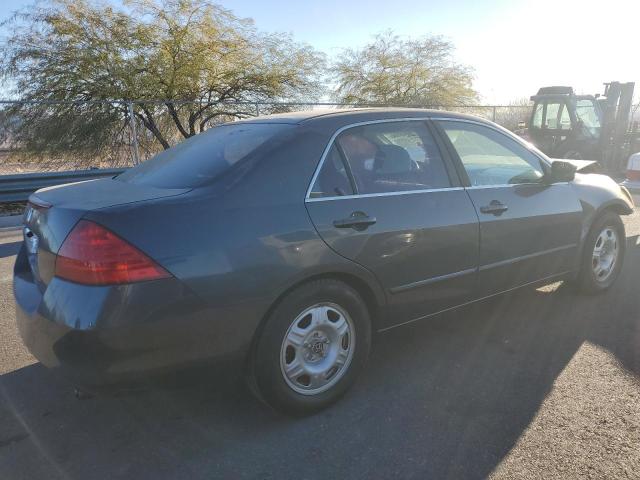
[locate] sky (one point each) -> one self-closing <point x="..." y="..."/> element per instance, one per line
<point x="514" y="46"/>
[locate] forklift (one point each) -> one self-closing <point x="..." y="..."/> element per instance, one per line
<point x="589" y="127"/>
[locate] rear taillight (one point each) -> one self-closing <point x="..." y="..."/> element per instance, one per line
<point x="93" y="255"/>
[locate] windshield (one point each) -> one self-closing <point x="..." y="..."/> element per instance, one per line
<point x="201" y="158"/>
<point x="588" y="113"/>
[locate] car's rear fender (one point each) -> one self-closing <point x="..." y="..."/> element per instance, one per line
<point x="231" y="255"/>
<point x="115" y="331"/>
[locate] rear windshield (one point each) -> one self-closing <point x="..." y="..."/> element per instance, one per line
<point x="201" y="158"/>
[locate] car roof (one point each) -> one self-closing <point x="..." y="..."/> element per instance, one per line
<point x="354" y="115"/>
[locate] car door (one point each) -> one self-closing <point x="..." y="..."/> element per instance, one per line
<point x="529" y="229"/>
<point x="384" y="197"/>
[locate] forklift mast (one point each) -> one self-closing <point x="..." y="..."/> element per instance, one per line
<point x="616" y="104"/>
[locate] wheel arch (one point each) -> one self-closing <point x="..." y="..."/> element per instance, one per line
<point x="372" y="295"/>
<point x="616" y="206"/>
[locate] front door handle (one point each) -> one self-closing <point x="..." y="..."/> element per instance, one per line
<point x="496" y="207"/>
<point x="357" y="220"/>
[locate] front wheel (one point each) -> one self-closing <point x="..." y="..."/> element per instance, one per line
<point x="313" y="346"/>
<point x="603" y="254"/>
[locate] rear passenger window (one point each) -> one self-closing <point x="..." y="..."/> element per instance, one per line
<point x="384" y="158"/>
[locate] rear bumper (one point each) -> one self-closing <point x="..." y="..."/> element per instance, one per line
<point x="109" y="334"/>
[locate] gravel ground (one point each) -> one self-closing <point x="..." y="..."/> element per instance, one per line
<point x="537" y="384"/>
<point x="16" y="208"/>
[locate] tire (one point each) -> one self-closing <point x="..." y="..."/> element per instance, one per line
<point x="607" y="226"/>
<point x="312" y="348"/>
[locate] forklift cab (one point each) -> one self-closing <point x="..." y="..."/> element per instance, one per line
<point x="565" y="125"/>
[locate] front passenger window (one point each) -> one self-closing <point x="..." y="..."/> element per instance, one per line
<point x="490" y="157"/>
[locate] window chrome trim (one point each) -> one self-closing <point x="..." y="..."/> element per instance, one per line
<point x="308" y="198"/>
<point x="383" y="194"/>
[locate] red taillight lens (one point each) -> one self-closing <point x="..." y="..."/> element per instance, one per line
<point x="93" y="255"/>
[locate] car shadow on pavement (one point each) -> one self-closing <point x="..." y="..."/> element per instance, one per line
<point x="9" y="249"/>
<point x="444" y="398"/>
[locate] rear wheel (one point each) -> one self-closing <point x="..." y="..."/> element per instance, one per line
<point x="313" y="346"/>
<point x="603" y="254"/>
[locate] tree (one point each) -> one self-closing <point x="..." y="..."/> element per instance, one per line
<point x="393" y="70"/>
<point x="514" y="115"/>
<point x="193" y="55"/>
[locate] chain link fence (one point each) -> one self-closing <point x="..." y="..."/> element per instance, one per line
<point x="58" y="136"/>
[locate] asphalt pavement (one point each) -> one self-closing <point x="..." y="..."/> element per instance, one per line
<point x="536" y="384"/>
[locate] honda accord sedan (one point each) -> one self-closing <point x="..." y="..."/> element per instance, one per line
<point x="284" y="242"/>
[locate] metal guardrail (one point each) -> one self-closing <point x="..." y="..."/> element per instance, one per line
<point x="17" y="188"/>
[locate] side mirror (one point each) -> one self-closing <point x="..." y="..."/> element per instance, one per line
<point x="561" y="171"/>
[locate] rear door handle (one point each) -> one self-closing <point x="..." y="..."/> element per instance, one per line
<point x="495" y="207"/>
<point x="358" y="221"/>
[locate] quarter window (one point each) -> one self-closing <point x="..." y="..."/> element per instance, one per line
<point x="490" y="157"/>
<point x="332" y="180"/>
<point x="387" y="157"/>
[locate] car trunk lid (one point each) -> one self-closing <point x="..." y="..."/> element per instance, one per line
<point x="52" y="212"/>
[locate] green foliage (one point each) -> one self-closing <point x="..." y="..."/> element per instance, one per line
<point x="397" y="71"/>
<point x="184" y="62"/>
<point x="82" y="50"/>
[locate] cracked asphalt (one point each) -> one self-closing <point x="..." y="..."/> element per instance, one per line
<point x="537" y="384"/>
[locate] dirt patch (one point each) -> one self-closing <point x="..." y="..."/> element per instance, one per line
<point x="14" y="208"/>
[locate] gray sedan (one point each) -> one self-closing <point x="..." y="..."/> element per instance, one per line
<point x="283" y="242"/>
